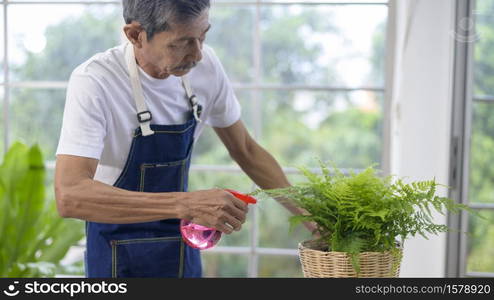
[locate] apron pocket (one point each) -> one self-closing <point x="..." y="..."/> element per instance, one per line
<point x="148" y="257"/>
<point x="163" y="177"/>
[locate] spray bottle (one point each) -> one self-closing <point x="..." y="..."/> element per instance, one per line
<point x="202" y="237"/>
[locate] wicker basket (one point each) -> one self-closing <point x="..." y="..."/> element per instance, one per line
<point x="319" y="263"/>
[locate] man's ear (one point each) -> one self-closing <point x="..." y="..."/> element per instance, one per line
<point x="135" y="33"/>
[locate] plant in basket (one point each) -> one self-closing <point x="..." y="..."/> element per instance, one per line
<point x="362" y="220"/>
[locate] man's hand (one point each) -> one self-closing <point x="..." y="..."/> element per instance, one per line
<point x="312" y="227"/>
<point x="294" y="209"/>
<point x="214" y="208"/>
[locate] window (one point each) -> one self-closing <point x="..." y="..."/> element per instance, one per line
<point x="308" y="74"/>
<point x="475" y="136"/>
<point x="310" y="79"/>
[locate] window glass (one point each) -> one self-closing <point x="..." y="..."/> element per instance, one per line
<point x="480" y="243"/>
<point x="64" y="37"/>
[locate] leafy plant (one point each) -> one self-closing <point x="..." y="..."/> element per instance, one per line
<point x="365" y="212"/>
<point x="33" y="237"/>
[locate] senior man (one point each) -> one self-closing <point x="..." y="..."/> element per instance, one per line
<point x="131" y="118"/>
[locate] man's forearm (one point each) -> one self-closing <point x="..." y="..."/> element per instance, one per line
<point x="95" y="201"/>
<point x="265" y="171"/>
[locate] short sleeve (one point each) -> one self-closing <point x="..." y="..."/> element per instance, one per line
<point x="226" y="109"/>
<point x="84" y="120"/>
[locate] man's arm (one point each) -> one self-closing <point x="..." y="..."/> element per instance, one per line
<point x="256" y="162"/>
<point x="79" y="196"/>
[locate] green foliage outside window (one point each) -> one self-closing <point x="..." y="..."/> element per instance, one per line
<point x="480" y="256"/>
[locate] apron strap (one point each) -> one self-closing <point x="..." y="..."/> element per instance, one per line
<point x="144" y="116"/>
<point x="196" y="107"/>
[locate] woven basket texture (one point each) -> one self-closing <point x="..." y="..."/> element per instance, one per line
<point x="316" y="263"/>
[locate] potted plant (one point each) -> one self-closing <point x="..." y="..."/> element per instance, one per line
<point x="362" y="220"/>
<point x="34" y="238"/>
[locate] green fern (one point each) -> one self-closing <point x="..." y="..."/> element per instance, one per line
<point x="363" y="211"/>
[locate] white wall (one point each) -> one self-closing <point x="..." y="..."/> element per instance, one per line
<point x="421" y="113"/>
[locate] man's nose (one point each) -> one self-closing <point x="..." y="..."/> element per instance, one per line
<point x="196" y="51"/>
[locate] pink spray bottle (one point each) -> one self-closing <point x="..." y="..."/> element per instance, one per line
<point x="201" y="237"/>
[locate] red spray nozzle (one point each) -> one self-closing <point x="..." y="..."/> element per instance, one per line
<point x="246" y="198"/>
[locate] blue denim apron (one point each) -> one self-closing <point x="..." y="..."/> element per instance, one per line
<point x="158" y="161"/>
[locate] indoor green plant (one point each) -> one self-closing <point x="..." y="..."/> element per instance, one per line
<point x="364" y="213"/>
<point x="34" y="239"/>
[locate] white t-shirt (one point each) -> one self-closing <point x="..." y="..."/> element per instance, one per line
<point x="100" y="112"/>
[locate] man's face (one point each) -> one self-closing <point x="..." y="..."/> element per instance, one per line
<point x="177" y="50"/>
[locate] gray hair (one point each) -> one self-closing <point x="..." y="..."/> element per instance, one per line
<point x="158" y="15"/>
